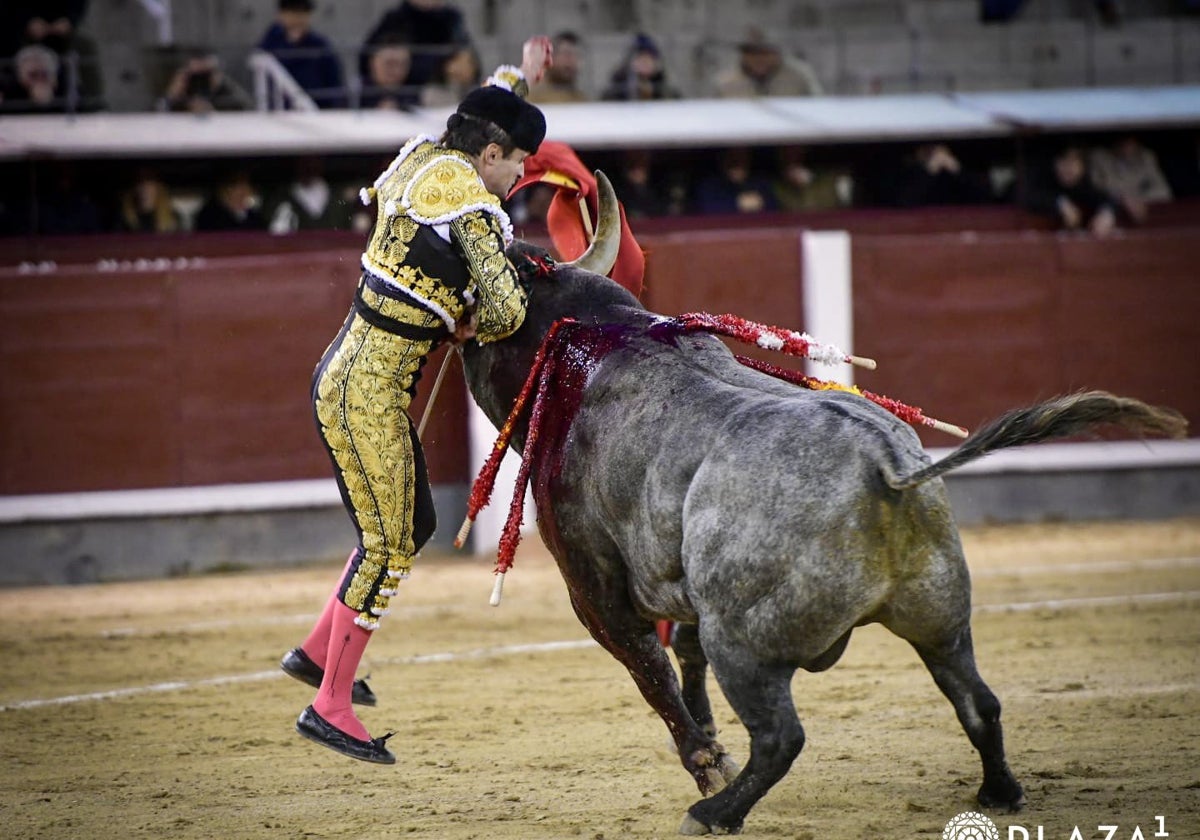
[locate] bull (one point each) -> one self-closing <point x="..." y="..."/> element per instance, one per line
<point x="673" y="482"/>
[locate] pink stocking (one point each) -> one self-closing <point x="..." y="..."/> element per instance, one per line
<point x="317" y="643"/>
<point x="347" y="641"/>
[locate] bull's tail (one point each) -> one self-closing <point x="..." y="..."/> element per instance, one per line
<point x="1057" y="418"/>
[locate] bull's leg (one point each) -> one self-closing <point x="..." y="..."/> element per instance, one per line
<point x="632" y="640"/>
<point x="693" y="671"/>
<point x="953" y="668"/>
<point x="762" y="697"/>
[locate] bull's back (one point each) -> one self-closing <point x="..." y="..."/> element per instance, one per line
<point x="691" y="456"/>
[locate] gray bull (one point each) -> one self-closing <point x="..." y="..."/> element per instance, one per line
<point x="672" y="482"/>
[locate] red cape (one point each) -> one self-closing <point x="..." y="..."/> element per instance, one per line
<point x="558" y="165"/>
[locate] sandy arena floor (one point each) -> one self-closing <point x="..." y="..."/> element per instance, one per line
<point x="157" y="710"/>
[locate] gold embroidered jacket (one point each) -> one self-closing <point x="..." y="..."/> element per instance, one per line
<point x="439" y="238"/>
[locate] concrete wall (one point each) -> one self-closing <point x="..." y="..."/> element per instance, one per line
<point x="123" y="544"/>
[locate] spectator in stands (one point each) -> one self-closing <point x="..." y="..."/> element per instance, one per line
<point x="390" y="84"/>
<point x="310" y="202"/>
<point x="644" y="192"/>
<point x="736" y="187"/>
<point x="763" y="70"/>
<point x="1065" y="192"/>
<point x="431" y="27"/>
<point x="307" y="55"/>
<point x="641" y="75"/>
<point x="200" y="87"/>
<point x="233" y="206"/>
<point x="54" y="24"/>
<point x="798" y="186"/>
<point x="459" y="74"/>
<point x="146" y="207"/>
<point x="561" y="82"/>
<point x="33" y="88"/>
<point x="930" y="174"/>
<point x="1129" y="172"/>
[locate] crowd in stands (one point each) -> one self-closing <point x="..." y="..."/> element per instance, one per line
<point x="46" y="64"/>
<point x="417" y="53"/>
<point x="1094" y="185"/>
<point x="420" y="54"/>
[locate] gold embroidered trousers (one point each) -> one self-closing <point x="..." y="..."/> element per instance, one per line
<point x="362" y="389"/>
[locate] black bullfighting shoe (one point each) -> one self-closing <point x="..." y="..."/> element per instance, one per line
<point x="315" y="728"/>
<point x="295" y="663"/>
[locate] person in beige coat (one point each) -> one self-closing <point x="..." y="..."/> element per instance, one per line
<point x="763" y="70"/>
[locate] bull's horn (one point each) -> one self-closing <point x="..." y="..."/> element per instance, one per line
<point x="602" y="253"/>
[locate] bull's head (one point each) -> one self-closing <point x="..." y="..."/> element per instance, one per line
<point x="578" y="289"/>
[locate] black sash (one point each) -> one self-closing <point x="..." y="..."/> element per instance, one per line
<point x="400" y="328"/>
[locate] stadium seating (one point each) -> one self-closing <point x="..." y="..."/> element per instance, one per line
<point x="856" y="46"/>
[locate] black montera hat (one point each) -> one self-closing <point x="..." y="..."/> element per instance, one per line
<point x="524" y="123"/>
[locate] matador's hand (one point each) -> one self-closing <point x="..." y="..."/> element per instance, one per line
<point x="536" y="56"/>
<point x="464" y="330"/>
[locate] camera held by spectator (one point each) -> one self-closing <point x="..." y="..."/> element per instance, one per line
<point x="199" y="86"/>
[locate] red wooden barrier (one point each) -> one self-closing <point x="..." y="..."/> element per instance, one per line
<point x="198" y="372"/>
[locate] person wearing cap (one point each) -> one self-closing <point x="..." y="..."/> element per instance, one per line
<point x="307" y="55"/>
<point x="763" y="70"/>
<point x="641" y="75"/>
<point x="434" y="270"/>
<point x="562" y="78"/>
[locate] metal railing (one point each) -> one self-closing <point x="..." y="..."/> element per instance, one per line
<point x="160" y="11"/>
<point x="274" y="87"/>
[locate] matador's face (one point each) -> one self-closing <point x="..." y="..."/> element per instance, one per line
<point x="499" y="171"/>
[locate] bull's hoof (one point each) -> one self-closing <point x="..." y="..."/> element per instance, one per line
<point x="729" y="768"/>
<point x="1006" y="797"/>
<point x="712" y="769"/>
<point x="715" y="780"/>
<point x="692" y="827"/>
<point x="718" y="776"/>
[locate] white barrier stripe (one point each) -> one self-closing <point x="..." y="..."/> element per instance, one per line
<point x="545" y="647"/>
<point x="826" y="278"/>
<point x="171" y="501"/>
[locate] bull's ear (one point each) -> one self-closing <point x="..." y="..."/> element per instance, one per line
<point x="602" y="253"/>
